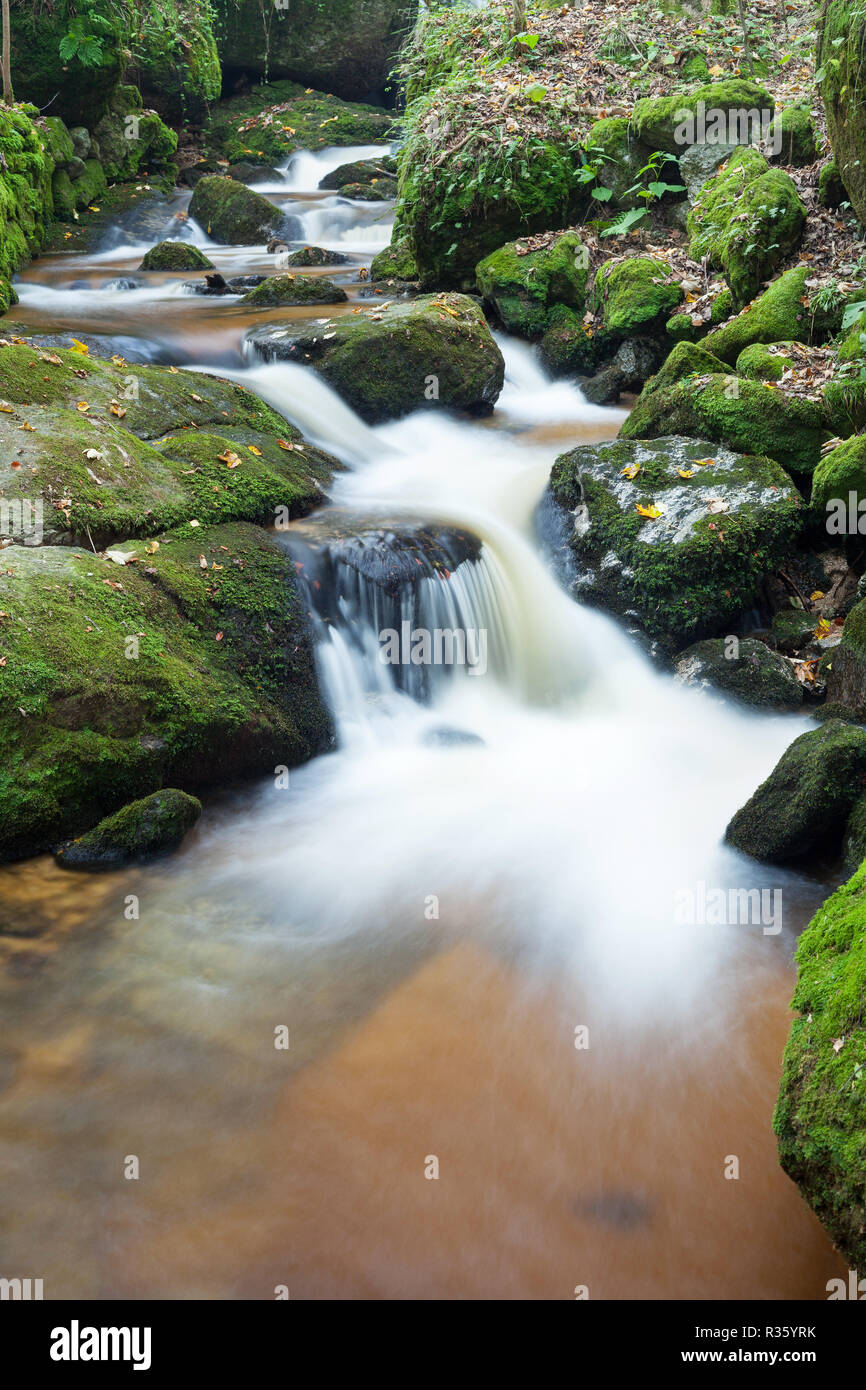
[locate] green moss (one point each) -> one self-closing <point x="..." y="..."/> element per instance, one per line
<point x="722" y="307"/>
<point x="842" y="472"/>
<point x="685" y="360"/>
<point x="175" y="255"/>
<point x="131" y="138"/>
<point x="754" y="675"/>
<point x="795" y="129"/>
<point x="803" y="805"/>
<point x="820" y="1116"/>
<point x="232" y="213"/>
<point x="619" y="157"/>
<point x="748" y="416"/>
<point x="686" y="573"/>
<point x="634" y="295"/>
<point x="662" y="122"/>
<point x="524" y="286"/>
<point x="570" y="347"/>
<point x="154" y="825"/>
<point x="275" y="119"/>
<point x="177" y="67"/>
<point x="294" y="289"/>
<point x="680" y="328"/>
<point x="396" y="262"/>
<point x="26" y="200"/>
<point x="777" y="315"/>
<point x="843" y="88"/>
<point x="746" y="220"/>
<point x="831" y="189"/>
<point x="760" y="364"/>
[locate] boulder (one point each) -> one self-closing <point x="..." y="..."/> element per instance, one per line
<point x="819" y="1116"/>
<point x="360" y="171"/>
<point x="634" y="294"/>
<point x="294" y="289"/>
<point x="271" y="120"/>
<point x="803" y="806"/>
<point x="777" y="315"/>
<point x="570" y="348"/>
<point x="839" y="474"/>
<point x="677" y="534"/>
<point x="523" y="285"/>
<point x="746" y="670"/>
<point x="131" y="138"/>
<point x="759" y="363"/>
<point x="699" y="162"/>
<point x="684" y="360"/>
<point x="395" y="262"/>
<point x="140" y="831"/>
<point x="845" y="667"/>
<point x="734" y="111"/>
<point x="232" y="213"/>
<point x="746" y="220"/>
<point x="749" y="416"/>
<point x="619" y="158"/>
<point x="248" y="173"/>
<point x="831" y="189"/>
<point x="175" y="255"/>
<point x="316" y="255"/>
<point x="843" y="88"/>
<point x="432" y="351"/>
<point x="795" y="132"/>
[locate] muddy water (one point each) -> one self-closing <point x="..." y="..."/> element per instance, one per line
<point x="431" y="1130"/>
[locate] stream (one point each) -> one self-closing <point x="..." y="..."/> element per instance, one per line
<point x="511" y="1072"/>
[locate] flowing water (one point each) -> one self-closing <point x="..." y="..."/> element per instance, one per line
<point x="510" y="1071"/>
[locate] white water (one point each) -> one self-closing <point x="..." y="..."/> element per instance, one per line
<point x="304" y="170"/>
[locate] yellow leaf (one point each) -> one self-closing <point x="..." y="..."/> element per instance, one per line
<point x="253" y="450"/>
<point x="651" y="511"/>
<point x="82" y="406"/>
<point x="7" y="409"/>
<point x="631" y="471"/>
<point x="153" y="547"/>
<point x="117" y="410"/>
<point x="230" y="459"/>
<point x="283" y="443"/>
<point x="686" y="472"/>
<point x="704" y="463"/>
<point x="819" y="593"/>
<point x="78" y="346"/>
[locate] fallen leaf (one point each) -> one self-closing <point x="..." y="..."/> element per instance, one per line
<point x="631" y="471"/>
<point x="651" y="511"/>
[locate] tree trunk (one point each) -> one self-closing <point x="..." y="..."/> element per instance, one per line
<point x="518" y="12"/>
<point x="8" y="95"/>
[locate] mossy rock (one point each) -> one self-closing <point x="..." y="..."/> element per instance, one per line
<point x="396" y="262"/>
<point x="820" y="1116"/>
<point x="118" y="681"/>
<point x="135" y="467"/>
<point x="685" y="360"/>
<point x="316" y="256"/>
<point x="680" y="328"/>
<point x="360" y="171"/>
<point x="620" y="156"/>
<point x="831" y="189"/>
<point x="131" y="138"/>
<point x="689" y="571"/>
<point x="749" y="416"/>
<point x="232" y="213"/>
<point x="177" y="65"/>
<point x="746" y="220"/>
<point x="662" y="123"/>
<point x="382" y="191"/>
<point x="57" y="140"/>
<point x="802" y="807"/>
<point x="795" y="132"/>
<point x="524" y="286"/>
<point x="634" y="295"/>
<point x="838" y="475"/>
<point x="777" y="315"/>
<point x="843" y="88"/>
<point x="793" y="629"/>
<point x="758" y="363"/>
<point x="294" y="289"/>
<point x="157" y="824"/>
<point x="748" y="672"/>
<point x="175" y="255"/>
<point x="26" y="199"/>
<point x="434" y="351"/>
<point x="570" y="347"/>
<point x="844" y="668"/>
<point x="274" y="119"/>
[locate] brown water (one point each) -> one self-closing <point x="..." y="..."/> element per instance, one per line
<point x="553" y="848"/>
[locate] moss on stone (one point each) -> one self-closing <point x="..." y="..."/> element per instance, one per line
<point x="685" y="360"/>
<point x="748" y="416"/>
<point x="294" y="289"/>
<point x="831" y="189"/>
<point x="662" y="122"/>
<point x="840" y="473"/>
<point x="795" y="131"/>
<point x="175" y="255"/>
<point x="396" y="262"/>
<point x="232" y="213"/>
<point x="619" y="157"/>
<point x="524" y="286"/>
<point x="753" y="675"/>
<point x="820" y="1116"/>
<point x="775" y="316"/>
<point x="634" y="295"/>
<point x="274" y="119"/>
<point x="843" y="88"/>
<point x="758" y="363"/>
<point x="569" y="347"/>
<point x="155" y="824"/>
<point x="746" y="220"/>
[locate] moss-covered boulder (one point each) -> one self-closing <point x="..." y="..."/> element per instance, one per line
<point x="843" y="88"/>
<point x="793" y="629"/>
<point x="676" y="534"/>
<point x="232" y="213"/>
<point x="844" y="668"/>
<point x="831" y="189"/>
<point x="760" y="363"/>
<point x="634" y="295"/>
<point x="111" y="454"/>
<point x="776" y="316"/>
<point x="435" y="351"/>
<point x="175" y="255"/>
<point x="746" y="220"/>
<point x="698" y="163"/>
<point x="294" y="289"/>
<point x="805" y="802"/>
<point x="612" y="147"/>
<point x="360" y="171"/>
<point x="746" y="670"/>
<point x="571" y="347"/>
<point x="154" y="825"/>
<point x="131" y="138"/>
<point x="316" y="256"/>
<point x="189" y="669"/>
<point x="820" y="1116"/>
<point x="838" y="474"/>
<point x="795" y="133"/>
<point x="523" y="285"/>
<point x="177" y="67"/>
<point x="684" y="360"/>
<point x="26" y="200"/>
<point x="346" y="46"/>
<point x="749" y="416"/>
<point x="273" y="119"/>
<point x="673" y="122"/>
<point x="396" y="262"/>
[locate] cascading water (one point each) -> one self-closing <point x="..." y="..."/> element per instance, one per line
<point x="485" y="865"/>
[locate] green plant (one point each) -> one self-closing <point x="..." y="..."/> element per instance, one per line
<point x="85" y="38"/>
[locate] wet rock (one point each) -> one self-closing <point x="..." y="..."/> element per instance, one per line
<point x="637" y="359"/>
<point x="234" y="214"/>
<point x="81" y="141"/>
<point x="392" y="558"/>
<point x="361" y="171"/>
<point x="697" y="553"/>
<point x="451" y="738"/>
<point x="157" y="824"/>
<point x="123" y="283"/>
<point x="216" y="284"/>
<point x="382" y="191"/>
<point x="604" y="388"/>
<point x="745" y="669"/>
<point x="396" y="262"/>
<point x="793" y="629"/>
<point x="294" y="289"/>
<point x="803" y="806"/>
<point x="313" y="256"/>
<point x="634" y="296"/>
<point x="175" y="255"/>
<point x="254" y="173"/>
<point x="434" y="351"/>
